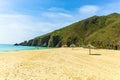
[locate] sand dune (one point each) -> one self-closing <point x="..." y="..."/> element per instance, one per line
<point x="60" y="64"/>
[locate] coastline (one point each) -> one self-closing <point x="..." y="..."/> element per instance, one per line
<point x="12" y="48"/>
<point x="60" y="64"/>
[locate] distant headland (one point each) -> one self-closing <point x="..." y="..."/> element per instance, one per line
<point x="100" y="31"/>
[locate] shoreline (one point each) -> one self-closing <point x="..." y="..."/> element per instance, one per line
<point x="24" y="50"/>
<point x="76" y="48"/>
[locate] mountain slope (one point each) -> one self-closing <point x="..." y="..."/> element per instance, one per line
<point x="100" y="31"/>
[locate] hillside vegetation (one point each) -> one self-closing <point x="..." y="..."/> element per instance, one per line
<point x="100" y="31"/>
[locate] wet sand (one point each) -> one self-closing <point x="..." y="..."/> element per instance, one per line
<point x="60" y="64"/>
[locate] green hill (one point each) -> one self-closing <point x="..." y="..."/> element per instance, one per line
<point x="100" y="31"/>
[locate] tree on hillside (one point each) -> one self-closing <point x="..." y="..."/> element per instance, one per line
<point x="117" y="46"/>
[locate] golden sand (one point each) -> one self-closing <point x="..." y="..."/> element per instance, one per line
<point x="60" y="64"/>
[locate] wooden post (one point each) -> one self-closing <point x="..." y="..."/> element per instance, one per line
<point x="89" y="51"/>
<point x="90" y="47"/>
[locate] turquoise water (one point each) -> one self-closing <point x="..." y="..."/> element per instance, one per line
<point x="10" y="47"/>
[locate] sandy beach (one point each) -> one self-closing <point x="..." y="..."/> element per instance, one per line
<point x="60" y="64"/>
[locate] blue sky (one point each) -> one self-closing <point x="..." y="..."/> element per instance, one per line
<point x="25" y="19"/>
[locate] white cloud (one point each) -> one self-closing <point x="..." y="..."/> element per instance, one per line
<point x="88" y="9"/>
<point x="56" y="9"/>
<point x="56" y="15"/>
<point x="12" y="28"/>
<point x="16" y="28"/>
<point x="60" y="19"/>
<point x="65" y="15"/>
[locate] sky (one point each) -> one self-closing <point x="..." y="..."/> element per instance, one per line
<point x="22" y="20"/>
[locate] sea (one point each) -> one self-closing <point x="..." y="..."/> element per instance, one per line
<point x="11" y="47"/>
